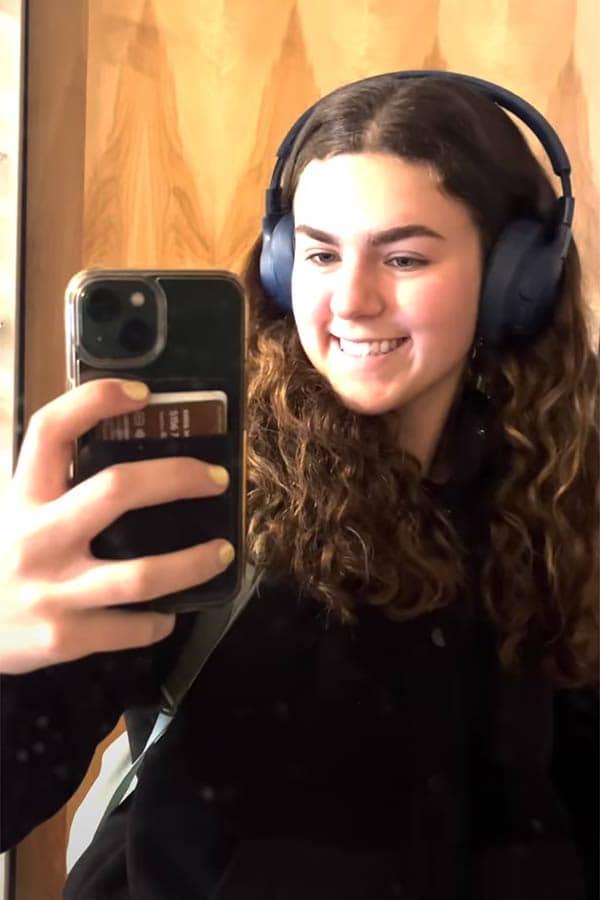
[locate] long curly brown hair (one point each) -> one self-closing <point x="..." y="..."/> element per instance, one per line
<point x="334" y="503"/>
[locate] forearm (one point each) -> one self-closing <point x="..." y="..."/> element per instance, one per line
<point x="53" y="719"/>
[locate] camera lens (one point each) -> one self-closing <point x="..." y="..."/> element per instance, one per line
<point x="103" y="305"/>
<point x="136" y="336"/>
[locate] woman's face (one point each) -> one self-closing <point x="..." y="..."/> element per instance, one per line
<point x="382" y="255"/>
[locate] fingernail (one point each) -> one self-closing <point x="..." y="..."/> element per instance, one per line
<point x="135" y="390"/>
<point x="226" y="554"/>
<point x="219" y="475"/>
<point x="165" y="625"/>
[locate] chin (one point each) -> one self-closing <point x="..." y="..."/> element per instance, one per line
<point x="367" y="406"/>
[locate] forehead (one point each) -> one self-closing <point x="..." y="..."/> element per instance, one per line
<point x="353" y="193"/>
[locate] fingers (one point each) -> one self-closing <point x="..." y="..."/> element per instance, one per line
<point x="48" y="618"/>
<point x="108" y="583"/>
<point x="96" y="502"/>
<point x="120" y="630"/>
<point x="57" y="600"/>
<point x="73" y="637"/>
<point x="43" y="467"/>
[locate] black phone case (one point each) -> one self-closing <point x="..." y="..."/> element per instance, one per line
<point x="200" y="306"/>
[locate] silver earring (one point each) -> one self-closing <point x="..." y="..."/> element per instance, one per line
<point x="477" y="346"/>
<point x="481" y="382"/>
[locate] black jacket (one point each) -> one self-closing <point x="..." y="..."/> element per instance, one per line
<point x="394" y="760"/>
<point x="314" y="760"/>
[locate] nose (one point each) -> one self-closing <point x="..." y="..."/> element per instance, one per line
<point x="355" y="291"/>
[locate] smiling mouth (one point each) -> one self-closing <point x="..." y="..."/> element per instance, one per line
<point x="361" y="349"/>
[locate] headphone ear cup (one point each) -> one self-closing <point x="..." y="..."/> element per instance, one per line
<point x="521" y="281"/>
<point x="277" y="260"/>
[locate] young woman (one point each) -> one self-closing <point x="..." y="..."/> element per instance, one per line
<point x="405" y="708"/>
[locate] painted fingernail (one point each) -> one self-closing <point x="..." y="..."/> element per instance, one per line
<point x="226" y="554"/>
<point x="219" y="475"/>
<point x="135" y="390"/>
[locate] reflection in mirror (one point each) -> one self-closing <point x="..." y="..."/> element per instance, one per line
<point x="363" y="728"/>
<point x="10" y="160"/>
<point x="10" y="104"/>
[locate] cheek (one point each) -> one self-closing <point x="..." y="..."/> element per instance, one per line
<point x="448" y="300"/>
<point x="309" y="305"/>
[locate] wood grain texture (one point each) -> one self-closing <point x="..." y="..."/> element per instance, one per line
<point x="154" y="124"/>
<point x="195" y="97"/>
<point x="54" y="185"/>
<point x="57" y="35"/>
<point x="10" y="135"/>
<point x="90" y="776"/>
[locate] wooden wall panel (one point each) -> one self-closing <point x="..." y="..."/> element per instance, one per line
<point x="54" y="175"/>
<point x="154" y="123"/>
<point x="195" y="97"/>
<point x="54" y="183"/>
<point x="181" y="138"/>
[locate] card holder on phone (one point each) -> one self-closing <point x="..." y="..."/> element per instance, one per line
<point x="180" y="414"/>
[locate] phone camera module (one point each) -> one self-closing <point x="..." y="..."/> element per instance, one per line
<point x="103" y="305"/>
<point x="122" y="320"/>
<point x="136" y="336"/>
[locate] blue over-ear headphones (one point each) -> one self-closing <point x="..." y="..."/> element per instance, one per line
<point x="523" y="273"/>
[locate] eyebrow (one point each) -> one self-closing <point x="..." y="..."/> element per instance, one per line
<point x="376" y="238"/>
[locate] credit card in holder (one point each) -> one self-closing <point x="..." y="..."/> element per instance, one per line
<point x="177" y="414"/>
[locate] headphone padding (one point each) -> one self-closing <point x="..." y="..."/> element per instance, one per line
<point x="276" y="262"/>
<point x="520" y="283"/>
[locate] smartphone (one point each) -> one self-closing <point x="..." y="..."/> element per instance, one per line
<point x="183" y="333"/>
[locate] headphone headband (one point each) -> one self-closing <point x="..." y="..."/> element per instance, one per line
<point x="524" y="111"/>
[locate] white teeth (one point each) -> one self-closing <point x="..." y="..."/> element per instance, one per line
<point x="368" y="348"/>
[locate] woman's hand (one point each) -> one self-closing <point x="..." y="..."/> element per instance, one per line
<point x="56" y="599"/>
